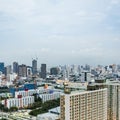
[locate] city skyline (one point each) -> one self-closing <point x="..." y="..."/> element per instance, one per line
<point x="60" y="32"/>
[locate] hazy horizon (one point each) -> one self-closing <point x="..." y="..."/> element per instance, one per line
<point x="60" y="32"/>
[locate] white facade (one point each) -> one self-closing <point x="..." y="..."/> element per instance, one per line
<point x="33" y="91"/>
<point x="18" y="102"/>
<point x="52" y="96"/>
<point x="25" y="93"/>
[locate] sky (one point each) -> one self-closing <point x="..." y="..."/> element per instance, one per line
<point x="60" y="31"/>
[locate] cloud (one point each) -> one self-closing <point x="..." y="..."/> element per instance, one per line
<point x="115" y="2"/>
<point x="60" y="28"/>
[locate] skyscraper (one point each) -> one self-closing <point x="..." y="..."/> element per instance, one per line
<point x="2" y="68"/>
<point x="29" y="71"/>
<point x="15" y="67"/>
<point x="8" y="69"/>
<point x="43" y="71"/>
<point x="22" y="70"/>
<point x="34" y="67"/>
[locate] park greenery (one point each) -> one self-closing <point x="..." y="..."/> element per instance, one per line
<point x="38" y="107"/>
<point x="3" y="119"/>
<point x="5" y="109"/>
<point x="45" y="107"/>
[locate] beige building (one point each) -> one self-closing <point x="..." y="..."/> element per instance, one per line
<point x="85" y="105"/>
<point x="114" y="101"/>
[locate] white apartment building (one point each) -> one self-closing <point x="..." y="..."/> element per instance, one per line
<point x="86" y="105"/>
<point x="19" y="102"/>
<point x="50" y="96"/>
<point x="25" y="93"/>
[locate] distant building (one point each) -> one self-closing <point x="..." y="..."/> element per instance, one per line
<point x="8" y="70"/>
<point x="85" y="76"/>
<point x="34" y="67"/>
<point x="15" y="67"/>
<point x="54" y="71"/>
<point x="86" y="105"/>
<point x="43" y="71"/>
<point x="29" y="71"/>
<point x="2" y="68"/>
<point x="22" y="70"/>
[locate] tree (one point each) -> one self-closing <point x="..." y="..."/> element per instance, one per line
<point x="13" y="109"/>
<point x="45" y="107"/>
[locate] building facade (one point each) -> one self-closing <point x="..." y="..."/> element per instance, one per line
<point x="19" y="102"/>
<point x="22" y="70"/>
<point x="50" y="96"/>
<point x="15" y="67"/>
<point x="43" y="71"/>
<point x="114" y="102"/>
<point x="2" y="68"/>
<point x="34" y="67"/>
<point x="54" y="71"/>
<point x="87" y="105"/>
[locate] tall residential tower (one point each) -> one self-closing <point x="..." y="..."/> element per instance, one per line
<point x="87" y="105"/>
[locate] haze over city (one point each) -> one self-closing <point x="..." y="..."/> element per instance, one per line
<point x="60" y="31"/>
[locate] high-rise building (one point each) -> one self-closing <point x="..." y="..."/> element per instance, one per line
<point x="8" y="69"/>
<point x="15" y="67"/>
<point x="113" y="97"/>
<point x="34" y="67"/>
<point x="22" y="70"/>
<point x="29" y="71"/>
<point x="87" y="105"/>
<point x="43" y="71"/>
<point x="2" y="68"/>
<point x="114" y="101"/>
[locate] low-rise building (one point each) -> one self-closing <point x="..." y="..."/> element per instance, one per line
<point x="50" y="96"/>
<point x="19" y="102"/>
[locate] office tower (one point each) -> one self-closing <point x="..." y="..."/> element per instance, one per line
<point x="114" y="101"/>
<point x="85" y="76"/>
<point x="87" y="105"/>
<point x="54" y="71"/>
<point x="8" y="69"/>
<point x="43" y="71"/>
<point x="2" y="68"/>
<point x="29" y="71"/>
<point x="22" y="70"/>
<point x="15" y="67"/>
<point x="34" y="67"/>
